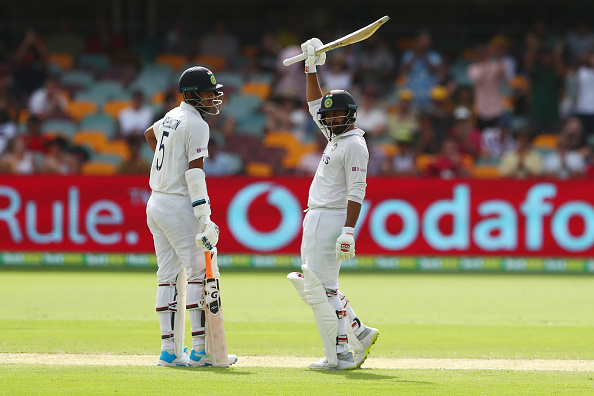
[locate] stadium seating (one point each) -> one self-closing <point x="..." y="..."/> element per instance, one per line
<point x="63" y="60"/>
<point x="117" y="148"/>
<point x="175" y="61"/>
<point x="547" y="141"/>
<point x="101" y="122"/>
<point x="96" y="61"/>
<point x="239" y="106"/>
<point x="486" y="172"/>
<point x="113" y="107"/>
<point x="95" y="139"/>
<point x="252" y="124"/>
<point x="258" y="169"/>
<point x="422" y="161"/>
<point x="99" y="168"/>
<point x="61" y="127"/>
<point x="78" y="109"/>
<point x="258" y="88"/>
<point x="212" y="62"/>
<point x="77" y="77"/>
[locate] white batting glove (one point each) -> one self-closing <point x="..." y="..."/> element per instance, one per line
<point x="209" y="237"/>
<point x="345" y="244"/>
<point x="309" y="48"/>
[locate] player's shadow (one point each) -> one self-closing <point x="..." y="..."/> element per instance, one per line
<point x="362" y="375"/>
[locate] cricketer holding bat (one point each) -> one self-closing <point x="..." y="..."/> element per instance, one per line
<point x="334" y="203"/>
<point x="178" y="210"/>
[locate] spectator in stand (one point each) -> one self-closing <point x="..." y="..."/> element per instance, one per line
<point x="488" y="76"/>
<point x="220" y="163"/>
<point x="267" y="52"/>
<point x="34" y="140"/>
<point x="405" y="118"/>
<point x="170" y="102"/>
<point x="580" y="39"/>
<point x="427" y="137"/>
<point x="378" y="160"/>
<point x="10" y="99"/>
<point x="589" y="158"/>
<point x="16" y="159"/>
<point x="220" y="42"/>
<point x="564" y="163"/>
<point x="584" y="105"/>
<point x="449" y="163"/>
<point x="464" y="131"/>
<point x="572" y="133"/>
<point x="49" y="101"/>
<point x="337" y="74"/>
<point x="286" y="114"/>
<point x="30" y="63"/>
<point x="371" y="116"/>
<point x="463" y="96"/>
<point x="55" y="161"/>
<point x="104" y="40"/>
<point x="135" y="164"/>
<point x="501" y="44"/>
<point x="403" y="163"/>
<point x="64" y="40"/>
<point x="288" y="80"/>
<point x="419" y="67"/>
<point x="76" y="158"/>
<point x="375" y="66"/>
<point x="8" y="128"/>
<point x="546" y="71"/>
<point x="309" y="162"/>
<point x="136" y="119"/>
<point x="523" y="162"/>
<point x="440" y="111"/>
<point x="498" y="140"/>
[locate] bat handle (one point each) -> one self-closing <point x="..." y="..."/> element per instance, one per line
<point x="209" y="274"/>
<point x="294" y="59"/>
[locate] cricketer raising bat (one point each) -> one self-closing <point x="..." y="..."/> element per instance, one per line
<point x="179" y="325"/>
<point x="349" y="39"/>
<point x="216" y="344"/>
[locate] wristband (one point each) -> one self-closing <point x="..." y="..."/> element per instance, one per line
<point x="348" y="230"/>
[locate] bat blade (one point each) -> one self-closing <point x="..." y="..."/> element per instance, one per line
<point x="349" y="39"/>
<point x="216" y="342"/>
<point x="180" y="315"/>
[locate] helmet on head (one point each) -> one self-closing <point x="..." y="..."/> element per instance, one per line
<point x="337" y="100"/>
<point x="199" y="79"/>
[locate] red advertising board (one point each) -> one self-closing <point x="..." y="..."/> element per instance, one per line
<point x="399" y="216"/>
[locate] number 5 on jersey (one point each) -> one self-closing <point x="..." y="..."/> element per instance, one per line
<point x="162" y="147"/>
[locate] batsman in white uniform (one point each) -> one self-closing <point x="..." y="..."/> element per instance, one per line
<point x="178" y="213"/>
<point x="334" y="203"/>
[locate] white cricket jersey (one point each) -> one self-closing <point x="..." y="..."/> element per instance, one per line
<point x="342" y="172"/>
<point x="182" y="136"/>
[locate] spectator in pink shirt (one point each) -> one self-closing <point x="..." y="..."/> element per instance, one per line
<point x="488" y="76"/>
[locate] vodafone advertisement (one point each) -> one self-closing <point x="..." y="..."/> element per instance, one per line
<point x="399" y="216"/>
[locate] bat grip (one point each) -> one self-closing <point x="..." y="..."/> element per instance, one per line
<point x="295" y="59"/>
<point x="209" y="274"/>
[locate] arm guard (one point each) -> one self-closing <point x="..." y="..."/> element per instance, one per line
<point x="196" y="180"/>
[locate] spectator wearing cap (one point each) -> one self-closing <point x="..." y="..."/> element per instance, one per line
<point x="403" y="162"/>
<point x="464" y="131"/>
<point x="419" y="66"/>
<point x="371" y="116"/>
<point x="498" y="140"/>
<point x="440" y="111"/>
<point x="135" y="119"/>
<point x="489" y="79"/>
<point x="564" y="163"/>
<point x="405" y="117"/>
<point x="523" y="162"/>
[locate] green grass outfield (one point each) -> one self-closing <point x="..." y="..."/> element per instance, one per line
<point x="431" y="316"/>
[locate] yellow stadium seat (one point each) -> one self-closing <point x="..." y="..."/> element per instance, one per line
<point x="95" y="139"/>
<point x="423" y="160"/>
<point x="116" y="147"/>
<point x="284" y="139"/>
<point x="486" y="172"/>
<point x="213" y="62"/>
<point x="114" y="106"/>
<point x="260" y="89"/>
<point x="388" y="148"/>
<point x="546" y="141"/>
<point x="63" y="59"/>
<point x="159" y="97"/>
<point x="99" y="169"/>
<point x="258" y="169"/>
<point x="78" y="109"/>
<point x="291" y="160"/>
<point x="174" y="60"/>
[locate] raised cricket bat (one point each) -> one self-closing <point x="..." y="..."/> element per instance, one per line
<point x="216" y="344"/>
<point x="180" y="316"/>
<point x="349" y="39"/>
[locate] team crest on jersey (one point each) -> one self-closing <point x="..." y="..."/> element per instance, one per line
<point x="328" y="101"/>
<point x="213" y="80"/>
<point x="334" y="147"/>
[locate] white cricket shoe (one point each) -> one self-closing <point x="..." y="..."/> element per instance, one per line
<point x="345" y="362"/>
<point x="201" y="359"/>
<point x="168" y="358"/>
<point x="367" y="338"/>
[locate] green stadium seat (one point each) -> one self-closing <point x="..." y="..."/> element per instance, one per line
<point x="100" y="122"/>
<point x="66" y="128"/>
<point x="77" y="77"/>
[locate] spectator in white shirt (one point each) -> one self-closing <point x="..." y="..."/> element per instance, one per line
<point x="134" y="120"/>
<point x="564" y="163"/>
<point x="49" y="100"/>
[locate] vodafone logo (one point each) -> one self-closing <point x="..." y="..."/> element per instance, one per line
<point x="277" y="196"/>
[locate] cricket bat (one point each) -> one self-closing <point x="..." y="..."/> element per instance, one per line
<point x="216" y="344"/>
<point x="349" y="39"/>
<point x="180" y="316"/>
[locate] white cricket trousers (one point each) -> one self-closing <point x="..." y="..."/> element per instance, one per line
<point x="174" y="227"/>
<point x="321" y="228"/>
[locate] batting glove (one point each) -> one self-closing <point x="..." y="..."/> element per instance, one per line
<point x="309" y="48"/>
<point x="209" y="237"/>
<point x="345" y="244"/>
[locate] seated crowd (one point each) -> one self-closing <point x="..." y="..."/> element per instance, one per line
<point x="517" y="108"/>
